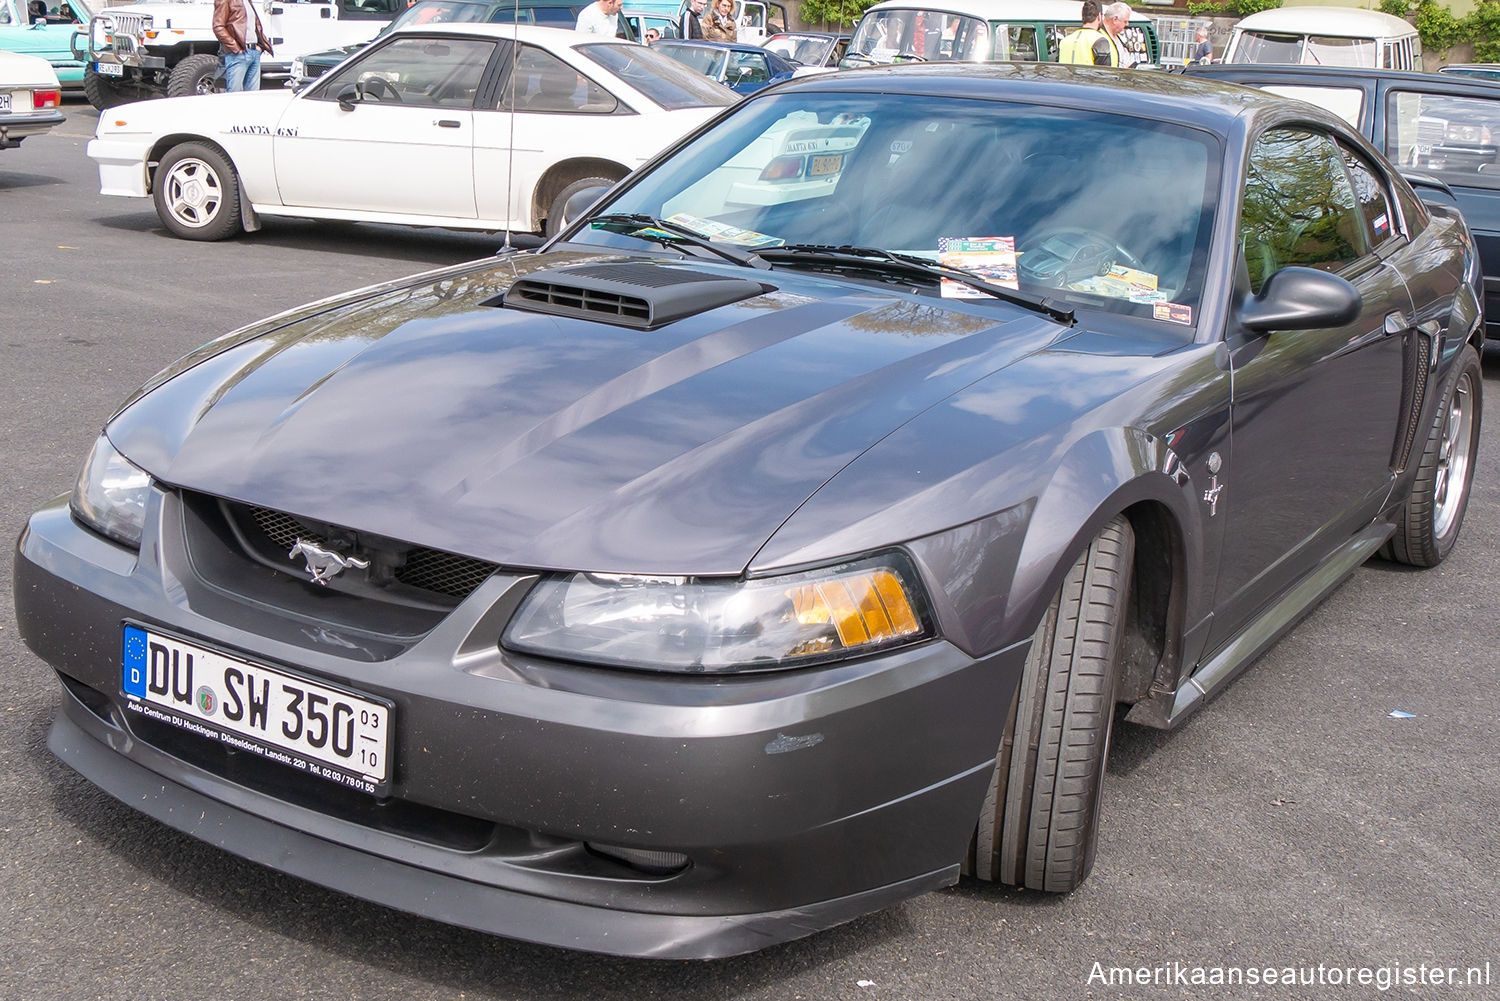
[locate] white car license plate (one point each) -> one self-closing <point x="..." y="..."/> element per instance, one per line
<point x="109" y="69"/>
<point x="4" y="102"/>
<point x="328" y="732"/>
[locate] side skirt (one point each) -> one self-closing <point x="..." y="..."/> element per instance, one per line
<point x="1213" y="676"/>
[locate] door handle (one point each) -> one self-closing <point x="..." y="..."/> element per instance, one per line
<point x="447" y="123"/>
<point x="1396" y="322"/>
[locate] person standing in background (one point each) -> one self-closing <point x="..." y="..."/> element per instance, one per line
<point x="1089" y="45"/>
<point x="1203" y="53"/>
<point x="720" y="25"/>
<point x="602" y="17"/>
<point x="692" y="26"/>
<point x="241" y="41"/>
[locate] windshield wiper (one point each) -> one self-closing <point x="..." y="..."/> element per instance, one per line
<point x="671" y="234"/>
<point x="874" y="258"/>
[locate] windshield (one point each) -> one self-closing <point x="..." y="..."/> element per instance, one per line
<point x="809" y="50"/>
<point x="1311" y="50"/>
<point x="1011" y="193"/>
<point x="704" y="60"/>
<point x="887" y="36"/>
<point x="439" y="12"/>
<point x="665" y="81"/>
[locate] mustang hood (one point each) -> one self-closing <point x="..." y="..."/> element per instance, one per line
<point x="434" y="415"/>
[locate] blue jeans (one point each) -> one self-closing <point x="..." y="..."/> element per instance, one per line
<point x="242" y="70"/>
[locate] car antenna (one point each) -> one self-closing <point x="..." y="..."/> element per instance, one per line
<point x="510" y="156"/>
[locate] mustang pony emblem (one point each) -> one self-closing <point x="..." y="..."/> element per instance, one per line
<point x="325" y="564"/>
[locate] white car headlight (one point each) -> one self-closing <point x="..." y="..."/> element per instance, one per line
<point x="111" y="494"/>
<point x="714" y="626"/>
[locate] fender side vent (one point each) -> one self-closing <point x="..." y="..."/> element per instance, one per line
<point x="639" y="295"/>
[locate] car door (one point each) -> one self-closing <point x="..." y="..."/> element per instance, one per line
<point x="1452" y="131"/>
<point x="402" y="141"/>
<point x="1316" y="414"/>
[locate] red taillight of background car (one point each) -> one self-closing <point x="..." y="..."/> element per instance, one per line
<point x="46" y="98"/>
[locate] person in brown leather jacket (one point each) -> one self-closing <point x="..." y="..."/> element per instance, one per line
<point x="241" y="41"/>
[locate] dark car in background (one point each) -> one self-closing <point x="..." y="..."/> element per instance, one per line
<point x="547" y="13"/>
<point x="1447" y="126"/>
<point x="777" y="542"/>
<point x="740" y="67"/>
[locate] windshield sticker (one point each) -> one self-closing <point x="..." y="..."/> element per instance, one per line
<point x="992" y="258"/>
<point x="1173" y="312"/>
<point x="1120" y="282"/>
<point x="723" y="232"/>
<point x="1382" y="224"/>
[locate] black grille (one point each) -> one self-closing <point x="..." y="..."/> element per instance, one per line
<point x="425" y="569"/>
<point x="1418" y="362"/>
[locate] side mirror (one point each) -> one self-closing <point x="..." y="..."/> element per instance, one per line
<point x="1296" y="298"/>
<point x="349" y="96"/>
<point x="581" y="201"/>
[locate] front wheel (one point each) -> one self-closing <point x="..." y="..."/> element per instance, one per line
<point x="1434" y="511"/>
<point x="103" y="93"/>
<point x="197" y="193"/>
<point x="1040" y="820"/>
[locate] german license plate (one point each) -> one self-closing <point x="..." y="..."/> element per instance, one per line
<point x="825" y="164"/>
<point x="328" y="732"/>
<point x="4" y="102"/>
<point x="109" y="69"/>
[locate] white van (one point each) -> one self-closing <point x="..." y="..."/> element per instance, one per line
<point x="1326" y="36"/>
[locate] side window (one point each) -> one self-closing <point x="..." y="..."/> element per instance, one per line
<point x="1374" y="203"/>
<point x="417" y="72"/>
<point x="366" y="10"/>
<point x="542" y="83"/>
<point x="1413" y="212"/>
<point x="750" y="67"/>
<point x="1021" y="42"/>
<point x="1451" y="136"/>
<point x="1055" y="34"/>
<point x="1298" y="206"/>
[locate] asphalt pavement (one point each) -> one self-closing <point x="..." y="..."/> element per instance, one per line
<point x="1294" y="825"/>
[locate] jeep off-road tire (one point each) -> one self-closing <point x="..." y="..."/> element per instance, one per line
<point x="1040" y="820"/>
<point x="1428" y="524"/>
<point x="103" y="93"/>
<point x="197" y="74"/>
<point x="197" y="192"/>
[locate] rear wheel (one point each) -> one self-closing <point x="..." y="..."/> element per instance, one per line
<point x="1040" y="819"/>
<point x="199" y="74"/>
<point x="197" y="193"/>
<point x="1434" y="512"/>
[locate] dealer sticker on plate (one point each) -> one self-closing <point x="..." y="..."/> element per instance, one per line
<point x="328" y="732"/>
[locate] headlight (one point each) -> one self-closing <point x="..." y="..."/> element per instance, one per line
<point x="711" y="626"/>
<point x="299" y="68"/>
<point x="111" y="494"/>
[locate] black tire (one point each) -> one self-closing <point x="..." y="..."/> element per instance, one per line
<point x="1428" y="524"/>
<point x="556" y="220"/>
<point x="103" y="93"/>
<point x="198" y="74"/>
<point x="197" y="193"/>
<point x="1040" y="820"/>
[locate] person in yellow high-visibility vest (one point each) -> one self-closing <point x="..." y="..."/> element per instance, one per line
<point x="1090" y="45"/>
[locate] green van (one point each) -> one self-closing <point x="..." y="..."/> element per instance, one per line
<point x="980" y="31"/>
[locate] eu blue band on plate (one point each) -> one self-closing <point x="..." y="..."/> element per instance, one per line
<point x="133" y="676"/>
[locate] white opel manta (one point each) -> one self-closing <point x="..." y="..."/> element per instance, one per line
<point x="465" y="126"/>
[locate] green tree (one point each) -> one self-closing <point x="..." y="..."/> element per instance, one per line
<point x="840" y="12"/>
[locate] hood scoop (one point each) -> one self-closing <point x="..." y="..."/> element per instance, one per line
<point x="632" y="294"/>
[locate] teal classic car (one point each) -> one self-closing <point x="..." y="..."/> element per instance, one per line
<point x="40" y="28"/>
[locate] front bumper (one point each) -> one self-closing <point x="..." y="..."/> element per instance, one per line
<point x="800" y="799"/>
<point x="123" y="164"/>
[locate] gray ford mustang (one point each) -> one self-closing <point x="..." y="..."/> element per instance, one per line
<point x="784" y="539"/>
